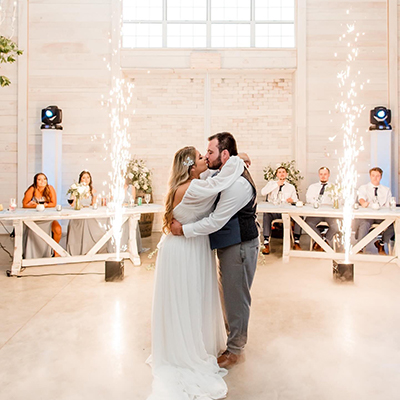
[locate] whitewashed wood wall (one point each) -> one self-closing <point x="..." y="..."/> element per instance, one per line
<point x="8" y="118"/>
<point x="70" y="47"/>
<point x="69" y="51"/>
<point x="326" y="22"/>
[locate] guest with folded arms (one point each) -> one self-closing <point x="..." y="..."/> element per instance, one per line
<point x="374" y="192"/>
<point x="40" y="192"/>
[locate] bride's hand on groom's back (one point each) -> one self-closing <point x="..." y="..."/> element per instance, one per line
<point x="176" y="228"/>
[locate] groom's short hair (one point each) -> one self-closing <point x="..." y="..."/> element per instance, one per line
<point x="226" y="141"/>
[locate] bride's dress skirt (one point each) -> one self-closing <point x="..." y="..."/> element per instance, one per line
<point x="187" y="324"/>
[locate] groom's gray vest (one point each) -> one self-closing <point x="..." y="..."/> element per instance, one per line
<point x="243" y="226"/>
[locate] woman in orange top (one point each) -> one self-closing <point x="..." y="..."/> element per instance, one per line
<point x="40" y="192"/>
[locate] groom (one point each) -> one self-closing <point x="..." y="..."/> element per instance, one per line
<point x="233" y="230"/>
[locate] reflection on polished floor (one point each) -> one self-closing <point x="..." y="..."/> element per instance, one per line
<point x="73" y="337"/>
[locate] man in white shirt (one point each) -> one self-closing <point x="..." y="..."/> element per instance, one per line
<point x="233" y="231"/>
<point x="286" y="192"/>
<point x="374" y="192"/>
<point x="316" y="193"/>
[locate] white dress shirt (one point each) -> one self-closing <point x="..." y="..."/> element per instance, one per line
<point x="271" y="190"/>
<point x="232" y="199"/>
<point x="367" y="193"/>
<point x="313" y="194"/>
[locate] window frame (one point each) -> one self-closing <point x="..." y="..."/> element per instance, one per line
<point x="209" y="23"/>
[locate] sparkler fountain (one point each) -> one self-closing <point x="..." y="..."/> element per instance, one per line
<point x="118" y="101"/>
<point x="348" y="83"/>
<point x="119" y="153"/>
<point x="120" y="144"/>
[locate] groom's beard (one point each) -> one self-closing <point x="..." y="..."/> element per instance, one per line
<point x="217" y="164"/>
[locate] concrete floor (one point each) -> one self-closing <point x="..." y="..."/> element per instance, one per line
<point x="77" y="337"/>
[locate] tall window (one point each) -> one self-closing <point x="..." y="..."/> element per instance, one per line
<point x="208" y="23"/>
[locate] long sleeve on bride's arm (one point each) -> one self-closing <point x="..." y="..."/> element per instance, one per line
<point x="232" y="200"/>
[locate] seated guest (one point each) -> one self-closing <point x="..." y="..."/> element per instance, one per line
<point x="316" y="193"/>
<point x="86" y="179"/>
<point x="374" y="192"/>
<point x="83" y="234"/>
<point x="287" y="192"/>
<point x="40" y="192"/>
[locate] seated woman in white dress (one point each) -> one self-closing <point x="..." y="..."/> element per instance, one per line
<point x="40" y="192"/>
<point x="83" y="234"/>
<point x="188" y="330"/>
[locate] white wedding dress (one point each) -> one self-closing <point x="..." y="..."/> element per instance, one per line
<point x="188" y="330"/>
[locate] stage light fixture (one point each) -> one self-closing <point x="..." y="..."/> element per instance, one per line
<point x="380" y="118"/>
<point x="51" y="118"/>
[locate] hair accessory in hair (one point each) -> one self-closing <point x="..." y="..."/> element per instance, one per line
<point x="188" y="162"/>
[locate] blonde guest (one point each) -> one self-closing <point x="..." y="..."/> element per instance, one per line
<point x="83" y="234"/>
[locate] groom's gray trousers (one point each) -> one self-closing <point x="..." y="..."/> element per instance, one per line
<point x="237" y="266"/>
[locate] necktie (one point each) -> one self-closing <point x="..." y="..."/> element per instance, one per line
<point x="376" y="191"/>
<point x="321" y="192"/>
<point x="280" y="187"/>
<point x="215" y="173"/>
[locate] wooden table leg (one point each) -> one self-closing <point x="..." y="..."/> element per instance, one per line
<point x="397" y="240"/>
<point x="286" y="237"/>
<point x="18" y="243"/>
<point x="371" y="235"/>
<point x="132" y="243"/>
<point x="307" y="228"/>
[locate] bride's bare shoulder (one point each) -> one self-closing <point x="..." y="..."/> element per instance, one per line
<point x="180" y="192"/>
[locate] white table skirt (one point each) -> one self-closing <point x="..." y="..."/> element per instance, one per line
<point x="289" y="212"/>
<point x="27" y="216"/>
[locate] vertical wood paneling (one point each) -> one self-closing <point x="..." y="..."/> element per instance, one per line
<point x="69" y="50"/>
<point x="326" y="22"/>
<point x="8" y="114"/>
<point x="69" y="53"/>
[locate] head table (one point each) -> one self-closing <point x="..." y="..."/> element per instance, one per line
<point x="28" y="216"/>
<point x="300" y="214"/>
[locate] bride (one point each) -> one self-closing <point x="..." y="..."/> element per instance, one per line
<point x="188" y="330"/>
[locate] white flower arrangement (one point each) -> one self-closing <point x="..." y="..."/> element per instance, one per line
<point x="79" y="190"/>
<point x="334" y="190"/>
<point x="138" y="175"/>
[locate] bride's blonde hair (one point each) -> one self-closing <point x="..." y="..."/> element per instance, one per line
<point x="184" y="160"/>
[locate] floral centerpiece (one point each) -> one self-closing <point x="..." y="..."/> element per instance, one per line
<point x="294" y="176"/>
<point x="138" y="175"/>
<point x="78" y="191"/>
<point x="334" y="190"/>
